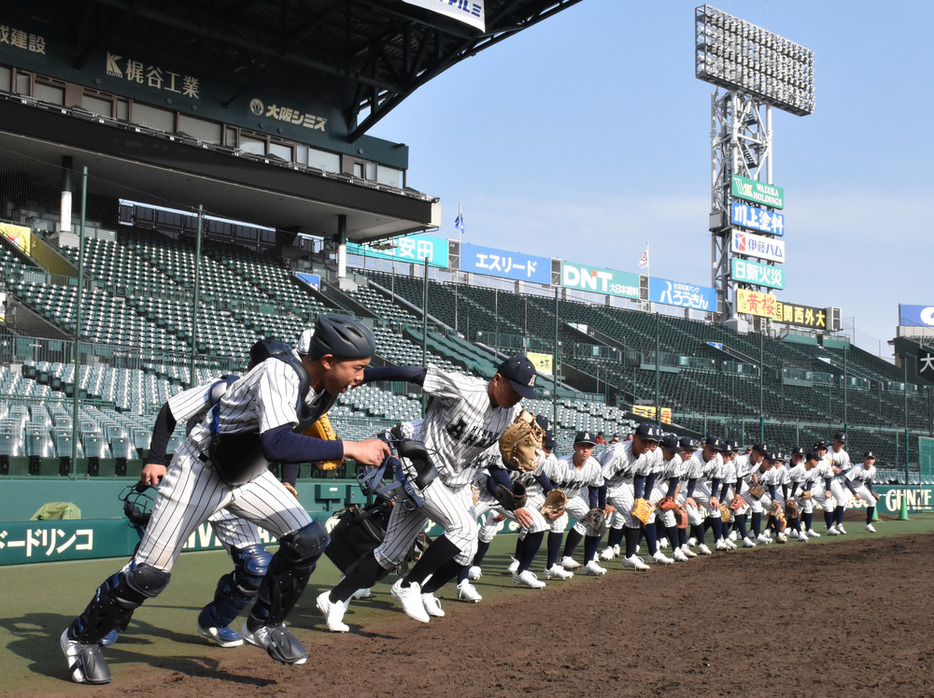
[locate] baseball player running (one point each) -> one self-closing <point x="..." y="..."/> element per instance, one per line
<point x="460" y="429"/>
<point x="222" y="465"/>
<point x="859" y="480"/>
<point x="840" y="461"/>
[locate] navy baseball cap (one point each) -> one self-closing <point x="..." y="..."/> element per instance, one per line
<point x="549" y="440"/>
<point x="840" y="436"/>
<point x="688" y="443"/>
<point x="761" y="449"/>
<point x="812" y="455"/>
<point x="772" y="456"/>
<point x="869" y="454"/>
<point x="780" y="455"/>
<point x="670" y="443"/>
<point x="585" y="437"/>
<point x="818" y="445"/>
<point x="715" y="442"/>
<point x="542" y="421"/>
<point x="730" y="446"/>
<point x="649" y="431"/>
<point x="520" y="373"/>
<point x="797" y="451"/>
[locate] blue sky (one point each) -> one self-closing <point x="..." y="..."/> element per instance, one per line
<point x="588" y="135"/>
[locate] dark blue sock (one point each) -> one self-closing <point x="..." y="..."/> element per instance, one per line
<point x="697" y="531"/>
<point x="671" y="532"/>
<point x="757" y="523"/>
<point x="808" y="517"/>
<point x="590" y="548"/>
<point x="828" y="518"/>
<point x="682" y="536"/>
<point x="870" y="511"/>
<point x="554" y="548"/>
<point x="632" y="540"/>
<point x="530" y="546"/>
<point x="481" y="552"/>
<point x="570" y="544"/>
<point x="838" y="515"/>
<point x="741" y="526"/>
<point x="651" y="538"/>
<point x="717" y="524"/>
<point x="615" y="537"/>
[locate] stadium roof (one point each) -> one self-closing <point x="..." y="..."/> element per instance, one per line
<point x="368" y="55"/>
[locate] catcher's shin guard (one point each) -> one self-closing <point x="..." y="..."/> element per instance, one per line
<point x="115" y="600"/>
<point x="236" y="589"/>
<point x="288" y="574"/>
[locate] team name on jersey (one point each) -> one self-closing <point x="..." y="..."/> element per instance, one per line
<point x="472" y="436"/>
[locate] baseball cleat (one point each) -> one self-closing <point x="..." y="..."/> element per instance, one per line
<point x="364" y="593"/>
<point x="527" y="579"/>
<point x="663" y="543"/>
<point x="748" y="542"/>
<point x="569" y="563"/>
<point x="660" y="558"/>
<point x="679" y="555"/>
<point x="729" y="543"/>
<point x="793" y="534"/>
<point x="841" y="530"/>
<point x="704" y="550"/>
<point x="721" y="545"/>
<point x="474" y="573"/>
<point x="592" y="568"/>
<point x="557" y="572"/>
<point x="733" y="536"/>
<point x="513" y="566"/>
<point x="468" y="592"/>
<point x="832" y="531"/>
<point x="687" y="551"/>
<point x="410" y="598"/>
<point x="812" y="533"/>
<point x="782" y="538"/>
<point x="870" y="528"/>
<point x="608" y="553"/>
<point x="432" y="605"/>
<point x="333" y="613"/>
<point x="635" y="562"/>
<point x="279" y="643"/>
<point x="86" y="664"/>
<point x="762" y="538"/>
<point x="692" y="541"/>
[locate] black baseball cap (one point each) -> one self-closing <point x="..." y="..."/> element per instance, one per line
<point x="730" y="446"/>
<point x="585" y="437"/>
<point x="780" y="455"/>
<point x="520" y="373"/>
<point x="797" y="451"/>
<point x="549" y="440"/>
<point x="715" y="442"/>
<point x="812" y="455"/>
<point x="869" y="454"/>
<point x="840" y="436"/>
<point x="670" y="442"/>
<point x="649" y="431"/>
<point x="818" y="445"/>
<point x="761" y="449"/>
<point x="542" y="421"/>
<point x="772" y="456"/>
<point x="688" y="443"/>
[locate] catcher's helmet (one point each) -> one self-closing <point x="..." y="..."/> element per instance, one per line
<point x="138" y="502"/>
<point x="262" y="350"/>
<point x="343" y="336"/>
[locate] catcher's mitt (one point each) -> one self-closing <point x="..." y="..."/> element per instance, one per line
<point x="512" y="499"/>
<point x="641" y="510"/>
<point x="322" y="429"/>
<point x="667" y="504"/>
<point x="737" y="503"/>
<point x="725" y="513"/>
<point x="520" y="443"/>
<point x="791" y="509"/>
<point x="595" y="521"/>
<point x="681" y="517"/>
<point x="555" y="501"/>
<point x="757" y="491"/>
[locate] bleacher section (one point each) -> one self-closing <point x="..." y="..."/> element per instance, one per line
<point x="140" y="288"/>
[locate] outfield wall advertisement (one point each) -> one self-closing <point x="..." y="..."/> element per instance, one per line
<point x="507" y="265"/>
<point x="608" y="281"/>
<point x="411" y="249"/>
<point x="682" y="294"/>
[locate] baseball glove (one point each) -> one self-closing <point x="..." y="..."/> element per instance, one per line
<point x="555" y="502"/>
<point x="805" y="496"/>
<point x="737" y="503"/>
<point x="520" y="443"/>
<point x="757" y="491"/>
<point x="641" y="510"/>
<point x="291" y="488"/>
<point x="776" y="509"/>
<point x="595" y="520"/>
<point x="725" y="513"/>
<point x="512" y="499"/>
<point x="322" y="429"/>
<point x="681" y="517"/>
<point x="667" y="504"/>
<point x="791" y="509"/>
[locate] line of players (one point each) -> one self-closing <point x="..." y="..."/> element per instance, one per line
<point x="739" y="497"/>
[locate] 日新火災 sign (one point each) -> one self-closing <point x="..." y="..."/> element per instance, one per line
<point x="758" y="274"/>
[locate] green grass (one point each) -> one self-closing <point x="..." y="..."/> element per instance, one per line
<point x="39" y="600"/>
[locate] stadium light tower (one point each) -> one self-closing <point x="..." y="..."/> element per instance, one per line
<point x="757" y="70"/>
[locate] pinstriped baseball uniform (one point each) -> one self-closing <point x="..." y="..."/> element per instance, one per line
<point x="574" y="482"/>
<point x="840" y="459"/>
<point x="620" y="466"/>
<point x="231" y="531"/>
<point x="192" y="489"/>
<point x="487" y="502"/>
<point x="460" y="429"/>
<point x="670" y="469"/>
<point x="862" y="477"/>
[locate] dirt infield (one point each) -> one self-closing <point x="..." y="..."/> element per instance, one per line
<point x="853" y="617"/>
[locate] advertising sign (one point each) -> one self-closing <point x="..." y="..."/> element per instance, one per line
<point x="758" y="192"/>
<point x="755" y="218"/>
<point x="768" y="306"/>
<point x="648" y="411"/>
<point x="758" y="274"/>
<point x="508" y="265"/>
<point x="608" y="281"/>
<point x="541" y="362"/>
<point x="17" y="234"/>
<point x="682" y="294"/>
<point x="916" y="315"/>
<point x="757" y="246"/>
<point x="411" y="249"/>
<point x="466" y="11"/>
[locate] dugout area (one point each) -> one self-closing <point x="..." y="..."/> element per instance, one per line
<point x="621" y="637"/>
